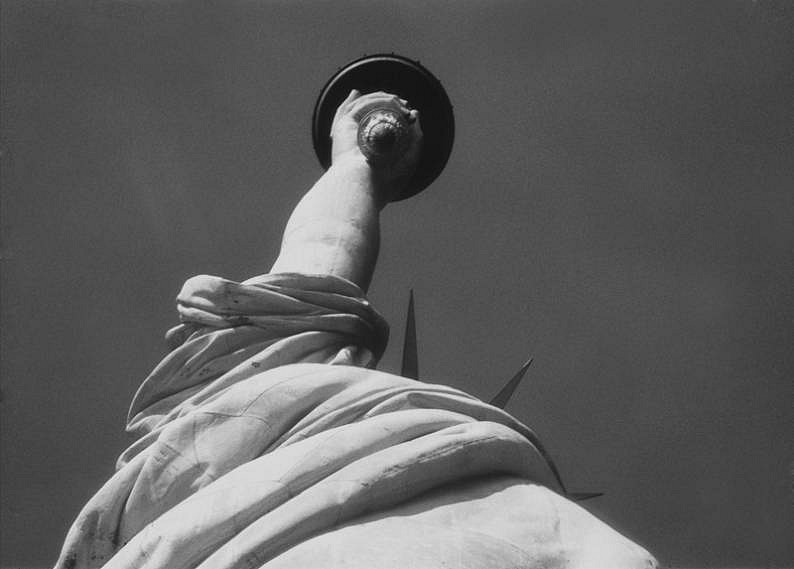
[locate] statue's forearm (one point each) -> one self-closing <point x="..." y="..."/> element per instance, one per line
<point x="335" y="227"/>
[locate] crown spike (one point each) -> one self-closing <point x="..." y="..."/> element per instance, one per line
<point x="410" y="367"/>
<point x="582" y="496"/>
<point x="506" y="393"/>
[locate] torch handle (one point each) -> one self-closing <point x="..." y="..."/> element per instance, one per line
<point x="383" y="136"/>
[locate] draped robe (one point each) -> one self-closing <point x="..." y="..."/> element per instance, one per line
<point x="266" y="439"/>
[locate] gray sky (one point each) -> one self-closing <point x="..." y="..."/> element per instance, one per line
<point x="618" y="204"/>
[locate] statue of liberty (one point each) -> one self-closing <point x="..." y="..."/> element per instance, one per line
<point x="266" y="438"/>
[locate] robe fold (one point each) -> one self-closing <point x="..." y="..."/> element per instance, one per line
<point x="266" y="439"/>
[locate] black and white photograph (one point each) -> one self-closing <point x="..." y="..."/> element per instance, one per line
<point x="370" y="284"/>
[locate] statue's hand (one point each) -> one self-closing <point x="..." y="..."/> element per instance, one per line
<point x="344" y="133"/>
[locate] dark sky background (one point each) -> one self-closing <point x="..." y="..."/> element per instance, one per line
<point x="618" y="205"/>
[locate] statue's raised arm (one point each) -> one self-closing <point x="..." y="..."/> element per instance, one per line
<point x="335" y="228"/>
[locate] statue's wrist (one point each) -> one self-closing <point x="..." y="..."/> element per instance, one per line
<point x="351" y="159"/>
<point x="359" y="175"/>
